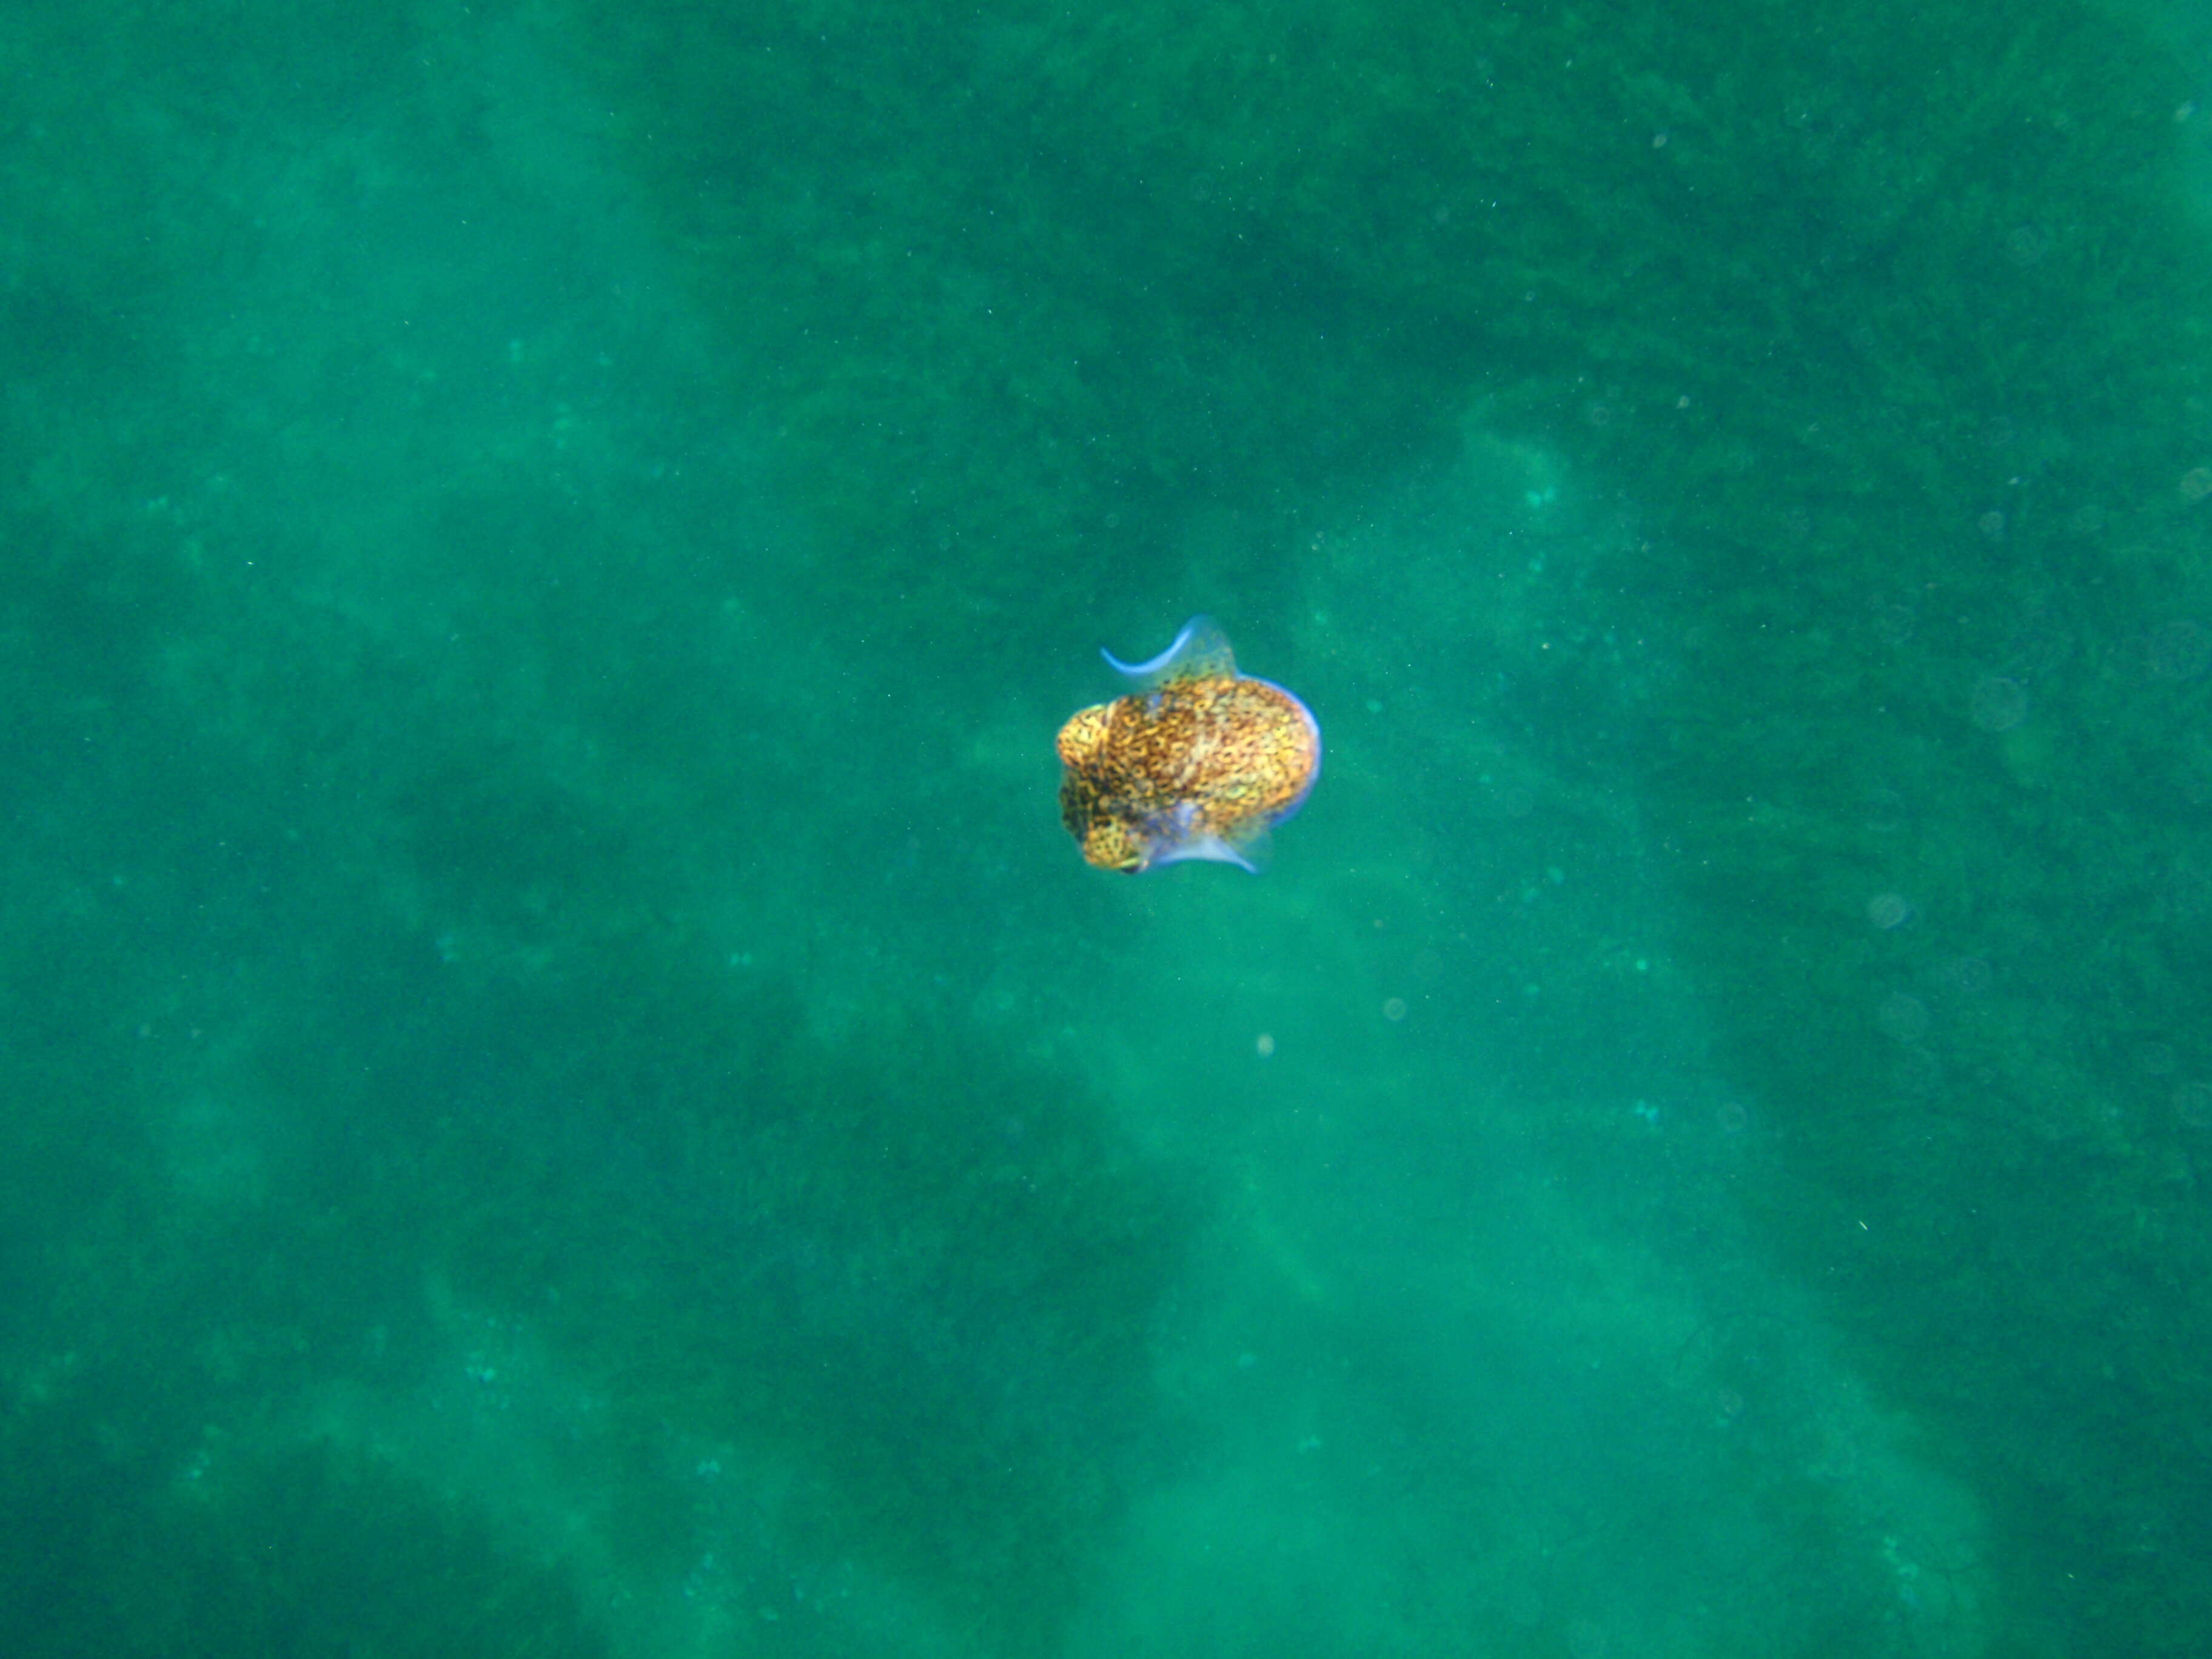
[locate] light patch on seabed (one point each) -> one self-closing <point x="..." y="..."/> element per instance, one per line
<point x="1558" y="1455"/>
<point x="503" y="1427"/>
<point x="1442" y="1381"/>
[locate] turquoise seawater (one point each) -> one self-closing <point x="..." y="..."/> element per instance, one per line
<point x="563" y="1090"/>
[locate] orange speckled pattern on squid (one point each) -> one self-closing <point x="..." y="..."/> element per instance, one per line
<point x="1200" y="763"/>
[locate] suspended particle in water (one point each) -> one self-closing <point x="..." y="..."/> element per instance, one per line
<point x="1998" y="704"/>
<point x="1965" y="976"/>
<point x="2027" y="244"/>
<point x="1916" y="1071"/>
<point x="1902" y="1017"/>
<point x="2179" y="651"/>
<point x="1894" y="624"/>
<point x="1889" y="910"/>
<point x="1884" y="812"/>
<point x="2192" y="1104"/>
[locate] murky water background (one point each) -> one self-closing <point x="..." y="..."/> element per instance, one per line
<point x="566" y="1091"/>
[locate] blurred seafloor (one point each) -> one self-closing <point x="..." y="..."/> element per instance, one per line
<point x="566" y="1093"/>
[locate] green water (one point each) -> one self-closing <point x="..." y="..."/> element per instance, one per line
<point x="563" y="1090"/>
